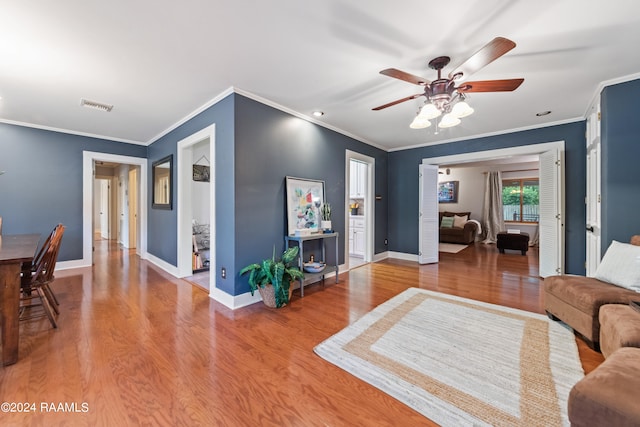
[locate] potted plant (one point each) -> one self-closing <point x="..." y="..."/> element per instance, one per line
<point x="325" y="214"/>
<point x="272" y="278"/>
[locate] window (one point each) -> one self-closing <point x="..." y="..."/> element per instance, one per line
<point x="520" y="200"/>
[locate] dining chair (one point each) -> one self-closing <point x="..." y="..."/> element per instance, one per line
<point x="50" y="269"/>
<point x="37" y="287"/>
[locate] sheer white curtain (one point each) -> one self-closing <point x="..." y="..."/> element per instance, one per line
<point x="492" y="214"/>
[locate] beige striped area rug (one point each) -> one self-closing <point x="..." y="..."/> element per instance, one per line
<point x="462" y="362"/>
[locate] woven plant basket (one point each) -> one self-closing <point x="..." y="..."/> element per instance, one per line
<point x="269" y="296"/>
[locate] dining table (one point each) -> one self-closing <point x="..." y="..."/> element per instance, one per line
<point x="16" y="254"/>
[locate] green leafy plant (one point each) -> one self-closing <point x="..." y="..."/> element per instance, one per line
<point x="325" y="211"/>
<point x="279" y="273"/>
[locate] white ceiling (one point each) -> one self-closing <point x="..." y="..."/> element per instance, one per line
<point x="157" y="63"/>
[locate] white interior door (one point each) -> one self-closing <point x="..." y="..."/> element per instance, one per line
<point x="593" y="191"/>
<point x="428" y="221"/>
<point x="133" y="207"/>
<point x="104" y="208"/>
<point x="551" y="213"/>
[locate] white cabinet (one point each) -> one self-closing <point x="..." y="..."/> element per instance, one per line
<point x="356" y="236"/>
<point x="357" y="179"/>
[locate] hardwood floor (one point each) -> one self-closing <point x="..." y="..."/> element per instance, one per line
<point x="135" y="346"/>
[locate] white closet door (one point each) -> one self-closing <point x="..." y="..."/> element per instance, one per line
<point x="593" y="192"/>
<point x="428" y="221"/>
<point x="551" y="214"/>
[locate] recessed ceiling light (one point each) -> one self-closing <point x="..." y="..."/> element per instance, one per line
<point x="543" y="113"/>
<point x="318" y="113"/>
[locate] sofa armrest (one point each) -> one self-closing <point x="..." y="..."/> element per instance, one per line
<point x="470" y="227"/>
<point x="470" y="230"/>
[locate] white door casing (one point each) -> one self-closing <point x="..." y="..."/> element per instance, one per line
<point x="593" y="200"/>
<point x="513" y="151"/>
<point x="428" y="215"/>
<point x="369" y="207"/>
<point x="88" y="160"/>
<point x="551" y="224"/>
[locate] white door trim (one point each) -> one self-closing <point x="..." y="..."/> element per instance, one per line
<point x="503" y="152"/>
<point x="184" y="205"/>
<point x="369" y="207"/>
<point x="88" y="159"/>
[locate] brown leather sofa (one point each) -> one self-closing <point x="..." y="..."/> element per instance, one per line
<point x="576" y="300"/>
<point x="608" y="395"/>
<point x="601" y="313"/>
<point x="463" y="235"/>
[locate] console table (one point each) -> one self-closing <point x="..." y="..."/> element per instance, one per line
<point x="313" y="277"/>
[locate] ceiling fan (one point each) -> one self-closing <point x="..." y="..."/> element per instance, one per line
<point x="442" y="94"/>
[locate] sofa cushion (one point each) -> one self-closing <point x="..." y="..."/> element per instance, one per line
<point x="608" y="396"/>
<point x="460" y="221"/>
<point x="447" y="213"/>
<point x="586" y="293"/>
<point x="621" y="266"/>
<point x="619" y="327"/>
<point x="447" y="222"/>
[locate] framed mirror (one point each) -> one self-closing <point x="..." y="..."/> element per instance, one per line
<point x="162" y="193"/>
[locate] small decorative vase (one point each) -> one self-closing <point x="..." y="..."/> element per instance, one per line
<point x="325" y="225"/>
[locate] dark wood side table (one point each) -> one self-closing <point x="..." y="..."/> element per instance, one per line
<point x="15" y="251"/>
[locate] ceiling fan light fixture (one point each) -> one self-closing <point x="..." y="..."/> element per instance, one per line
<point x="449" y="121"/>
<point x="461" y="109"/>
<point x="429" y="111"/>
<point x="420" y="123"/>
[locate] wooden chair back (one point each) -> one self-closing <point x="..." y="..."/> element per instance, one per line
<point x="45" y="245"/>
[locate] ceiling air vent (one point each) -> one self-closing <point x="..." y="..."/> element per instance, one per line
<point x="96" y="105"/>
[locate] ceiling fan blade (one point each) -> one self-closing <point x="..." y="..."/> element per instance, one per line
<point x="397" y="74"/>
<point x="490" y="85"/>
<point x="391" y="104"/>
<point x="486" y="55"/>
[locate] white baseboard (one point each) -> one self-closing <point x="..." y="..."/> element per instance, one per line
<point x="234" y="302"/>
<point x="171" y="269"/>
<point x="67" y="265"/>
<point x="404" y="256"/>
<point x="381" y="256"/>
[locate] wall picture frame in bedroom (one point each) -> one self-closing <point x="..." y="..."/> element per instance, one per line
<point x="448" y="192"/>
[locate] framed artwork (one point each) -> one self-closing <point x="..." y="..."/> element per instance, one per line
<point x="304" y="198"/>
<point x="448" y="192"/>
<point x="201" y="173"/>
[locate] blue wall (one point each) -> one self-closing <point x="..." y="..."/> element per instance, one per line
<point x="257" y="146"/>
<point x="42" y="185"/>
<point x="162" y="241"/>
<point x="271" y="145"/>
<point x="620" y="139"/>
<point x="403" y="185"/>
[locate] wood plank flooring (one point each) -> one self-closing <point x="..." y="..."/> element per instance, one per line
<point x="135" y="346"/>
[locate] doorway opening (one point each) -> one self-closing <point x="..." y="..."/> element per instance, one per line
<point x="196" y="208"/>
<point x="551" y="178"/>
<point x="118" y="184"/>
<point x="115" y="204"/>
<point x="359" y="215"/>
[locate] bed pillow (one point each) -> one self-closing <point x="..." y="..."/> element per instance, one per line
<point x="447" y="222"/>
<point x="460" y="221"/>
<point x="621" y="266"/>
